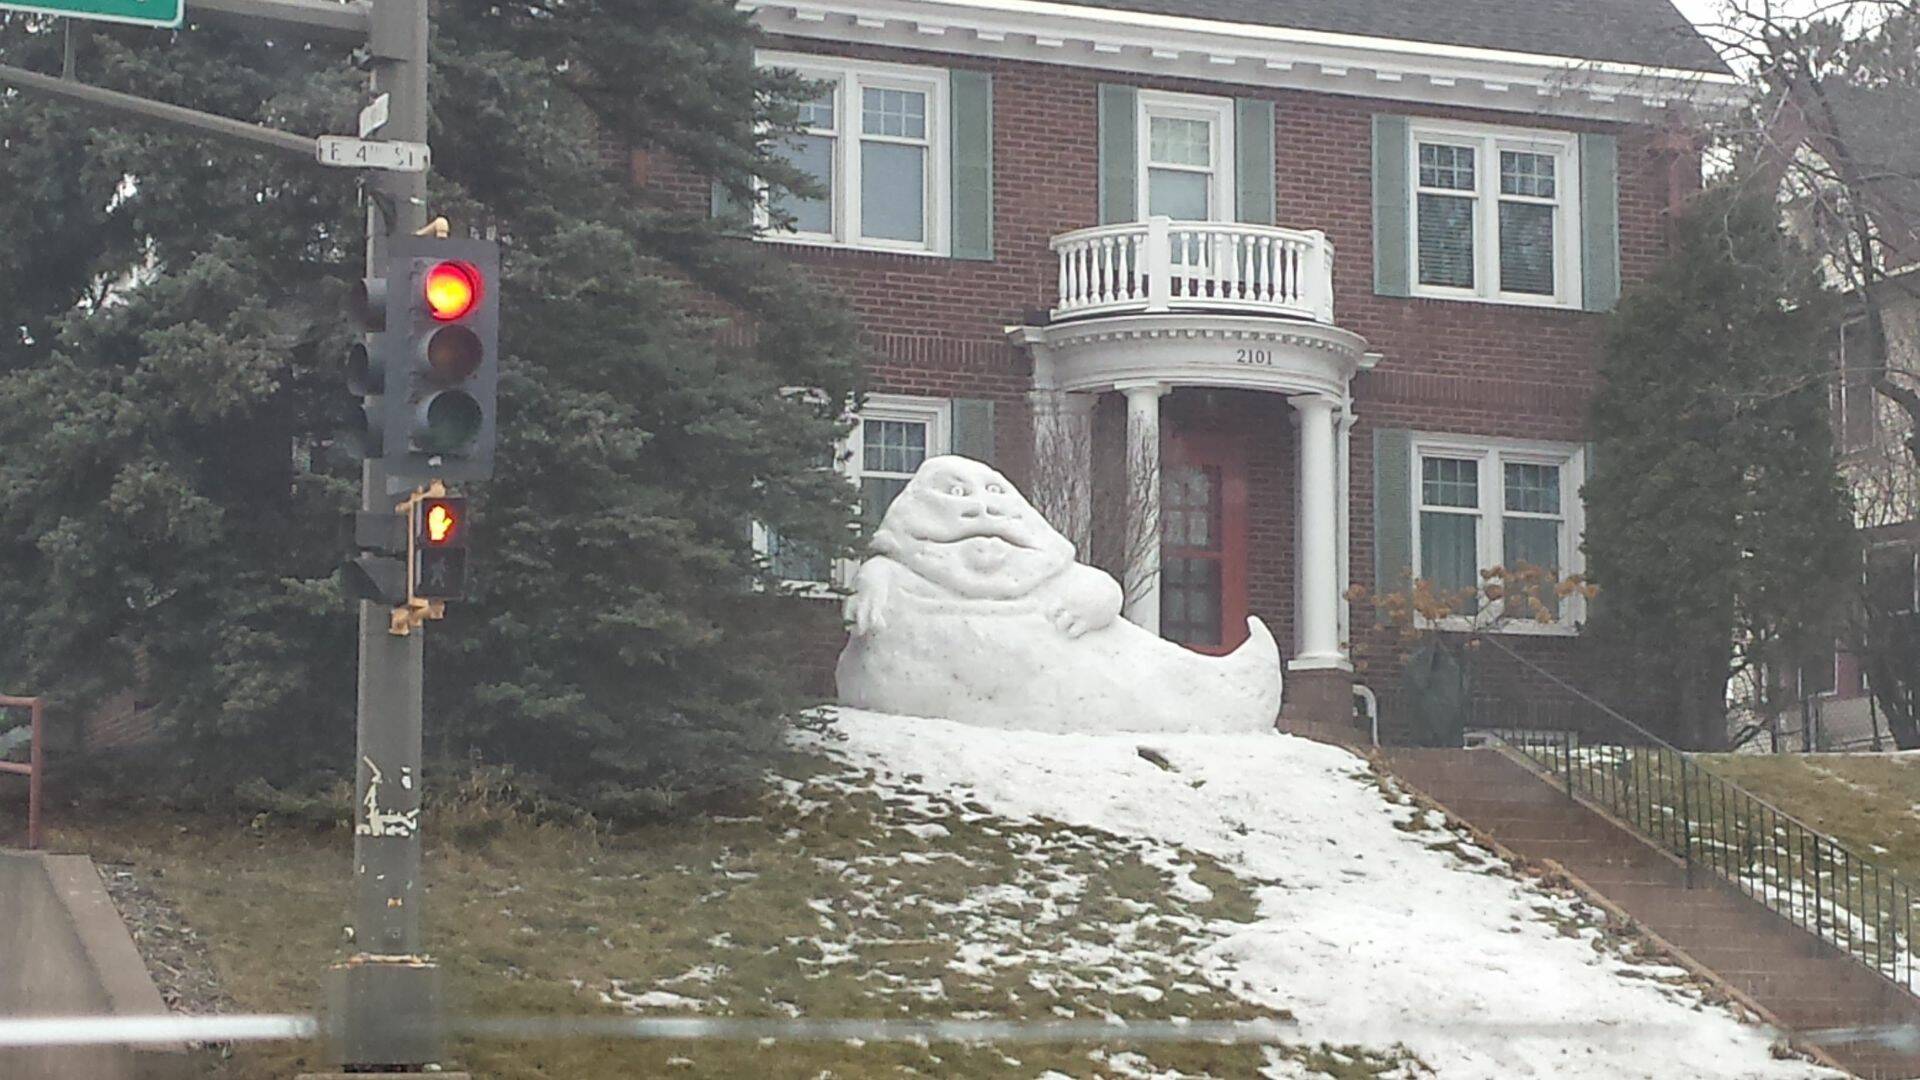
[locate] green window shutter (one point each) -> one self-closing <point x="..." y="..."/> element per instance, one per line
<point x="1253" y="165"/>
<point x="973" y="428"/>
<point x="1599" y="222"/>
<point x="1119" y="154"/>
<point x="972" y="178"/>
<point x="1392" y="510"/>
<point x="1392" y="199"/>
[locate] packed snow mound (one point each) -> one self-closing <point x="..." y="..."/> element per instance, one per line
<point x="1375" y="929"/>
<point x="973" y="608"/>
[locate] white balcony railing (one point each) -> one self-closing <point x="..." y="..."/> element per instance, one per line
<point x="1164" y="265"/>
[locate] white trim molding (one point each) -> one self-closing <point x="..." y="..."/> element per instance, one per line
<point x="1245" y="352"/>
<point x="1146" y="43"/>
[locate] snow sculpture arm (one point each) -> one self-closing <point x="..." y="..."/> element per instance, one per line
<point x="865" y="610"/>
<point x="1088" y="599"/>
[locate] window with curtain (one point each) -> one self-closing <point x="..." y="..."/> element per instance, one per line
<point x="1450" y="529"/>
<point x="1446" y="213"/>
<point x="1482" y="506"/>
<point x="1185" y="156"/>
<point x="875" y="140"/>
<point x="1494" y="214"/>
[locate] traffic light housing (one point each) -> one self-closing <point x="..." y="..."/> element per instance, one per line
<point x="439" y="548"/>
<point x="366" y="367"/>
<point x="439" y="354"/>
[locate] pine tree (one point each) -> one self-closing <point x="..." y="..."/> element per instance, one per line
<point x="1717" y="527"/>
<point x="173" y="510"/>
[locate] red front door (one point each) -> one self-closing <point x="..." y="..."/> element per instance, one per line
<point x="1203" y="543"/>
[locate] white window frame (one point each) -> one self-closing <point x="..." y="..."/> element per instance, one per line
<point x="1845" y="392"/>
<point x="1487" y="141"/>
<point x="848" y="458"/>
<point x="850" y="78"/>
<point x="1493" y="456"/>
<point x="1219" y="114"/>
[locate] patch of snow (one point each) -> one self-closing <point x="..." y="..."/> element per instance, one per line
<point x="617" y="994"/>
<point x="1367" y="934"/>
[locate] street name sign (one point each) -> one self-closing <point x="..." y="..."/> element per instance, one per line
<point x="374" y="116"/>
<point x="138" y="12"/>
<point x="347" y="153"/>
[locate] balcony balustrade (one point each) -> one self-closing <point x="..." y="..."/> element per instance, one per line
<point x="1161" y="265"/>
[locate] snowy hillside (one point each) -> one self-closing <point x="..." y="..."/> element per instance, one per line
<point x="1375" y="927"/>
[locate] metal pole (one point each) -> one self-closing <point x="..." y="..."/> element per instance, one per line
<point x="1686" y="823"/>
<point x="386" y="1000"/>
<point x="94" y="97"/>
<point x="37" y="766"/>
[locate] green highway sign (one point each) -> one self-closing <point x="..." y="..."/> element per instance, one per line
<point x="139" y="12"/>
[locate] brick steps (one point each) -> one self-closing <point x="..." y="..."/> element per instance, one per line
<point x="1805" y="984"/>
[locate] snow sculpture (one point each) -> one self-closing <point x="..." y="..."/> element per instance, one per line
<point x="973" y="609"/>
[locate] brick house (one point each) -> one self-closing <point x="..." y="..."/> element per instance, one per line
<point x="1255" y="298"/>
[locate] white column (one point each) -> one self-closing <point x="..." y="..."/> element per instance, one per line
<point x="1062" y="481"/>
<point x="1343" y="493"/>
<point x="1142" y="584"/>
<point x="1318" y="559"/>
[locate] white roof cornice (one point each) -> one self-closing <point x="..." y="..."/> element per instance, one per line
<point x="1256" y="55"/>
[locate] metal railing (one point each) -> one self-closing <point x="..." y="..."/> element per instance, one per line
<point x="35" y="767"/>
<point x="1716" y="827"/>
<point x="1161" y="265"/>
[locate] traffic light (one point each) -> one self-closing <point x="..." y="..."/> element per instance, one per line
<point x="441" y="364"/>
<point x="439" y="548"/>
<point x="366" y="366"/>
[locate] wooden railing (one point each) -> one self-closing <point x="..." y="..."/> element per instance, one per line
<point x="1161" y="265"/>
<point x="35" y="766"/>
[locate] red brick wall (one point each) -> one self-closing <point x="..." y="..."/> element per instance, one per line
<point x="1449" y="366"/>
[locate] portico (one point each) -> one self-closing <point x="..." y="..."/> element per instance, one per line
<point x="1147" y="342"/>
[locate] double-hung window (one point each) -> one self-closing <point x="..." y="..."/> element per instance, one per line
<point x="1495" y="214"/>
<point x="892" y="435"/>
<point x="1186" y="166"/>
<point x="1508" y="505"/>
<point x="875" y="142"/>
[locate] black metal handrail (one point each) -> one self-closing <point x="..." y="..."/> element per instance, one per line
<point x="1714" y="825"/>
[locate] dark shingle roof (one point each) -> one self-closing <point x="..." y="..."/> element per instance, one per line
<point x="1650" y="32"/>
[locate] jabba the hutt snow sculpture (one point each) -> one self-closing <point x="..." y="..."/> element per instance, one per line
<point x="973" y="609"/>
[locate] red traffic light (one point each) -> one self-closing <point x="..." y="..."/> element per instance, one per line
<point x="452" y="290"/>
<point x="441" y="521"/>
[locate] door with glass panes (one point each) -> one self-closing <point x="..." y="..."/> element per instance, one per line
<point x="1203" y="543"/>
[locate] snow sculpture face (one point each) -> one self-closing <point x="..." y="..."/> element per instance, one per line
<point x="960" y="525"/>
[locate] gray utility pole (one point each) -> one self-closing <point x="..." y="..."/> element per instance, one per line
<point x="384" y="1001"/>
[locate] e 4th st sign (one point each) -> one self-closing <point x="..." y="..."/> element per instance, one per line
<point x="138" y="12"/>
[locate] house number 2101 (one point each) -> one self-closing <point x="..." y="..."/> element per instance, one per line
<point x="1260" y="357"/>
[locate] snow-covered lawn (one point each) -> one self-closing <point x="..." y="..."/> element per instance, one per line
<point x="1375" y="927"/>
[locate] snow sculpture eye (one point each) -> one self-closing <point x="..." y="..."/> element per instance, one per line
<point x="996" y="489"/>
<point x="957" y="489"/>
